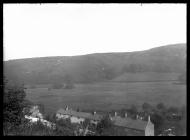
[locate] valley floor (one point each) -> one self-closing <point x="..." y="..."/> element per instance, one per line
<point x="109" y="95"/>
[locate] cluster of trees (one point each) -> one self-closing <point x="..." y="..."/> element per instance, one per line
<point x="13" y="104"/>
<point x="66" y="82"/>
<point x="15" y="107"/>
<point x="163" y="117"/>
<point x="109" y="73"/>
<point x="105" y="126"/>
<point x="134" y="68"/>
<point x="160" y="115"/>
<point x="182" y="77"/>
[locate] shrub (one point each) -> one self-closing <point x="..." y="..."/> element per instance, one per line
<point x="32" y="86"/>
<point x="173" y="110"/>
<point x="133" y="110"/>
<point x="57" y="86"/>
<point x="104" y="124"/>
<point x="146" y="107"/>
<point x="161" y="106"/>
<point x="68" y="82"/>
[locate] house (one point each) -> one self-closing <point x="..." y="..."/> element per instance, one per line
<point x="169" y="131"/>
<point x="78" y="117"/>
<point x="133" y="127"/>
<point x="36" y="116"/>
<point x="127" y="125"/>
<point x="174" y="116"/>
<point x="35" y="112"/>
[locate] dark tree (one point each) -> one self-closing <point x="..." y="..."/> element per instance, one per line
<point x="32" y="86"/>
<point x="173" y="110"/>
<point x="57" y="82"/>
<point x="182" y="78"/>
<point x="64" y="128"/>
<point x="104" y="124"/>
<point x="13" y="104"/>
<point x="109" y="73"/>
<point x="86" y="123"/>
<point x="146" y="107"/>
<point x="57" y="85"/>
<point x="68" y="80"/>
<point x="133" y="110"/>
<point x="161" y="106"/>
<point x="158" y="121"/>
<point x="183" y="121"/>
<point x="41" y="107"/>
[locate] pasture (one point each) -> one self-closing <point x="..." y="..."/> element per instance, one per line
<point x="106" y="96"/>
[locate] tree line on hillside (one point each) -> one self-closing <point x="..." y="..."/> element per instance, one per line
<point x="134" y="68"/>
<point x="183" y="78"/>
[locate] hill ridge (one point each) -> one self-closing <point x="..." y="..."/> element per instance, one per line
<point x="179" y="44"/>
<point x="98" y="66"/>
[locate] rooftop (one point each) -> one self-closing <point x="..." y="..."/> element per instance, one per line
<point x="80" y="114"/>
<point x="129" y="123"/>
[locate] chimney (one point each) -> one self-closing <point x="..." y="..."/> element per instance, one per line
<point x="115" y="114"/>
<point x="149" y="118"/>
<point x="94" y="113"/>
<point x="67" y="108"/>
<point x="110" y="117"/>
<point x="126" y="115"/>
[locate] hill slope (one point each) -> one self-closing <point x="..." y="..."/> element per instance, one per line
<point x="96" y="67"/>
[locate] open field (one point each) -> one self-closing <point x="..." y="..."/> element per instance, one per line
<point x="109" y="95"/>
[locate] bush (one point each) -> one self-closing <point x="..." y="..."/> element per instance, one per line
<point x="158" y="121"/>
<point x="64" y="128"/>
<point x="68" y="82"/>
<point x="50" y="117"/>
<point x="69" y="86"/>
<point x="161" y="106"/>
<point x="133" y="110"/>
<point x="104" y="124"/>
<point x="173" y="110"/>
<point x="32" y="86"/>
<point x="182" y="78"/>
<point x="147" y="108"/>
<point x="57" y="86"/>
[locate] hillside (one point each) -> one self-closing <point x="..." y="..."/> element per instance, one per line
<point x="97" y="67"/>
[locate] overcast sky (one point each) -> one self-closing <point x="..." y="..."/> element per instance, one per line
<point x="34" y="30"/>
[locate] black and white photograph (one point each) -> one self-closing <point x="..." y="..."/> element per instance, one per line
<point x="94" y="69"/>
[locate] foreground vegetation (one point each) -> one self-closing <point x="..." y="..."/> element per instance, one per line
<point x="14" y="122"/>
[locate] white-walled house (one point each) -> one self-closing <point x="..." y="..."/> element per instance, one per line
<point x="36" y="116"/>
<point x="78" y="117"/>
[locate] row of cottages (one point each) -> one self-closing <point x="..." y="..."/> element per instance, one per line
<point x="78" y="117"/>
<point x="133" y="127"/>
<point x="125" y="124"/>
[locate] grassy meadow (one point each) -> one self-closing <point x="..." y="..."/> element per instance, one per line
<point x="106" y="96"/>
